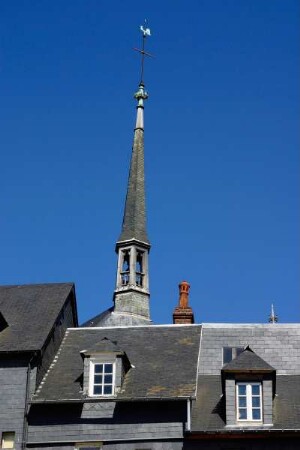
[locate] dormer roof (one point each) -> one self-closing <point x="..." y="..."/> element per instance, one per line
<point x="247" y="361"/>
<point x="103" y="346"/>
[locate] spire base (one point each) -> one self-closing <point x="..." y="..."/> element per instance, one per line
<point x="132" y="302"/>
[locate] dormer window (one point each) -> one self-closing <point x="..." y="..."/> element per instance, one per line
<point x="102" y="378"/>
<point x="249" y="387"/>
<point x="104" y="368"/>
<point x="229" y="353"/>
<point x="249" y="403"/>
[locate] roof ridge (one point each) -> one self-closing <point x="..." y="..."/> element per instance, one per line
<point x="7" y="286"/>
<point x="179" y="325"/>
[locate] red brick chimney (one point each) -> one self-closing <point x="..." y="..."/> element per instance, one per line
<point x="183" y="313"/>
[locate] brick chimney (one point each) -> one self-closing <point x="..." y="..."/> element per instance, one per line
<point x="183" y="313"/>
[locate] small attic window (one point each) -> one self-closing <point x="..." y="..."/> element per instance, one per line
<point x="229" y="353"/>
<point x="105" y="365"/>
<point x="249" y="388"/>
<point x="102" y="376"/>
<point x="249" y="402"/>
<point x="8" y="439"/>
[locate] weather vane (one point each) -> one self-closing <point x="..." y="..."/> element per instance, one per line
<point x="145" y="33"/>
<point x="273" y="318"/>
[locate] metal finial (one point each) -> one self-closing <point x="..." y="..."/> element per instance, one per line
<point x="145" y="33"/>
<point x="273" y="318"/>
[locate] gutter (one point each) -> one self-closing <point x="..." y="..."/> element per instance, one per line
<point x="188" y="415"/>
<point x="133" y="439"/>
<point x="110" y="399"/>
<point x="244" y="434"/>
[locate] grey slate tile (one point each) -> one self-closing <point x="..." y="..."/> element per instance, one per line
<point x="164" y="362"/>
<point x="30" y="312"/>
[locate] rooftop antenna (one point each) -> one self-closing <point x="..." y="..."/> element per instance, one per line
<point x="273" y="318"/>
<point x="145" y="33"/>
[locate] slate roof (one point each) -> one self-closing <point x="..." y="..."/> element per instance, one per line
<point x="208" y="413"/>
<point x="247" y="361"/>
<point x="111" y="318"/>
<point x="277" y="344"/>
<point x="163" y="359"/>
<point x="104" y="346"/>
<point x="134" y="219"/>
<point x="30" y="312"/>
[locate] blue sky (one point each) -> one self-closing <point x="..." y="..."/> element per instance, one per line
<point x="221" y="143"/>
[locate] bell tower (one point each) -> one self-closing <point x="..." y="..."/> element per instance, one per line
<point x="131" y="294"/>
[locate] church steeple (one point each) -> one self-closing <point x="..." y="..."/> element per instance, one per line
<point x="134" y="219"/>
<point x="133" y="246"/>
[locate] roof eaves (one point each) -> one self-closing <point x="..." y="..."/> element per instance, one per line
<point x="110" y="399"/>
<point x="248" y="370"/>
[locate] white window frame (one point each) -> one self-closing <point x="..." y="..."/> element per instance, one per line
<point x="248" y="396"/>
<point x="93" y="362"/>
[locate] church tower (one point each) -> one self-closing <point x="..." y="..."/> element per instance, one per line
<point x="132" y="284"/>
<point x="131" y="294"/>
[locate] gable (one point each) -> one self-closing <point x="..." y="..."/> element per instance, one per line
<point x="31" y="312"/>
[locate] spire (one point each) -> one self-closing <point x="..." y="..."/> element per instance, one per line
<point x="134" y="219"/>
<point x="273" y="318"/>
<point x="131" y="297"/>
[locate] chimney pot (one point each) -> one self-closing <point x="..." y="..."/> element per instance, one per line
<point x="183" y="313"/>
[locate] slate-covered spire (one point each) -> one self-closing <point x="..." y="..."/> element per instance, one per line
<point x="134" y="219"/>
<point x="131" y="296"/>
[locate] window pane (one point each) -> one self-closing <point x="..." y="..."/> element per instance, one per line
<point x="97" y="390"/>
<point x="255" y="389"/>
<point x="242" y="414"/>
<point x="256" y="402"/>
<point x="8" y="439"/>
<point x="242" y="402"/>
<point x="98" y="379"/>
<point x="239" y="350"/>
<point x="108" y="379"/>
<point x="227" y="355"/>
<point x="107" y="390"/>
<point x="108" y="368"/>
<point x="256" y="414"/>
<point x="242" y="389"/>
<point x="98" y="368"/>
